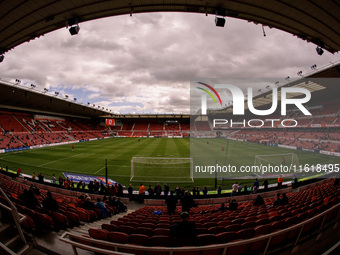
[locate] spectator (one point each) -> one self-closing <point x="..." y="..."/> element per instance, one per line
<point x="34" y="176"/>
<point x="278" y="200"/>
<point x="158" y="190"/>
<point x="50" y="203"/>
<point x="120" y="205"/>
<point x="234" y="189"/>
<point x="265" y="185"/>
<point x="61" y="181"/>
<point x="100" y="205"/>
<point x="41" y="178"/>
<point x="284" y="199"/>
<point x="256" y="184"/>
<point x="91" y="187"/>
<point x="141" y="193"/>
<point x="205" y="191"/>
<point x="19" y="171"/>
<point x="130" y="191"/>
<point x="245" y="189"/>
<point x="219" y="190"/>
<point x="194" y="192"/>
<point x="150" y="191"/>
<point x="279" y="182"/>
<point x="198" y="192"/>
<point x="187" y="202"/>
<point x="120" y="190"/>
<point x="171" y="202"/>
<point x="54" y="180"/>
<point x="88" y="205"/>
<point x="239" y="188"/>
<point x="79" y="185"/>
<point x="177" y="191"/>
<point x="258" y="201"/>
<point x="184" y="231"/>
<point x="233" y="205"/>
<point x="166" y="189"/>
<point x="222" y="207"/>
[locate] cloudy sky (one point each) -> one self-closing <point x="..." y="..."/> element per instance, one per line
<point x="144" y="63"/>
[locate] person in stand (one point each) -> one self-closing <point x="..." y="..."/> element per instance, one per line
<point x="184" y="232"/>
<point x="219" y="190"/>
<point x="99" y="204"/>
<point x="234" y="189"/>
<point x="284" y="199"/>
<point x="278" y="200"/>
<point x="194" y="191"/>
<point x="130" y="191"/>
<point x="265" y="185"/>
<point x="141" y="193"/>
<point x="41" y="178"/>
<point x="279" y="182"/>
<point x="205" y="191"/>
<point x="120" y="190"/>
<point x="50" y="203"/>
<point x="187" y="202"/>
<point x="256" y="184"/>
<point x="72" y="147"/>
<point x="166" y="190"/>
<point x="258" y="201"/>
<point x="61" y="181"/>
<point x="233" y="205"/>
<point x="171" y="202"/>
<point x="88" y="204"/>
<point x="158" y="190"/>
<point x="54" y="179"/>
<point x="19" y="171"/>
<point x="34" y="176"/>
<point x="150" y="191"/>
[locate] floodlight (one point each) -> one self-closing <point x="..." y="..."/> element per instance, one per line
<point x="75" y="99"/>
<point x="66" y="96"/>
<point x="33" y="86"/>
<point x="219" y="22"/>
<point x="45" y="90"/>
<point x="319" y="50"/>
<point x="56" y="93"/>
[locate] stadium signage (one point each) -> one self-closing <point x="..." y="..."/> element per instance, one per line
<point x="239" y="98"/>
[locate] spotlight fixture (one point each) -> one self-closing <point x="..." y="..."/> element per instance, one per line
<point x="220" y="21"/>
<point x="277" y="83"/>
<point x="2" y="55"/>
<point x="17" y="81"/>
<point x="33" y="86"/>
<point x="319" y="50"/>
<point x="299" y="73"/>
<point x="93" y="105"/>
<point x="74" y="27"/>
<point x="259" y="90"/>
<point x="75" y="99"/>
<point x="287" y="78"/>
<point x="45" y="90"/>
<point x="56" y="93"/>
<point x="267" y="87"/>
<point x="66" y="96"/>
<point x="313" y="67"/>
<point x="88" y="103"/>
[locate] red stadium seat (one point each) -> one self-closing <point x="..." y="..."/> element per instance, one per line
<point x="162" y="232"/>
<point x="216" y="230"/>
<point x="245" y="233"/>
<point x="139" y="239"/>
<point x="99" y="234"/>
<point x="226" y="237"/>
<point x="109" y="227"/>
<point x="233" y="227"/>
<point x="126" y="229"/>
<point x="160" y="240"/>
<point x="118" y="237"/>
<point x="262" y="230"/>
<point x="144" y="231"/>
<point x="205" y="239"/>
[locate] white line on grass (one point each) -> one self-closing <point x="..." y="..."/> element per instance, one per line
<point x="59" y="160"/>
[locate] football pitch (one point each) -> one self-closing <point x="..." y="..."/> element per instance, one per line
<point x="90" y="157"/>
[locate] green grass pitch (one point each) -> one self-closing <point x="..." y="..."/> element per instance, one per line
<point x="89" y="157"/>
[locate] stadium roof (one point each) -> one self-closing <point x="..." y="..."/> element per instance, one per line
<point x="314" y="21"/>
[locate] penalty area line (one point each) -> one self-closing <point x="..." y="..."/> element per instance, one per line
<point x="59" y="160"/>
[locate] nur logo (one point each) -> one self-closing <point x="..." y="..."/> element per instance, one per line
<point x="239" y="99"/>
<point x="204" y="96"/>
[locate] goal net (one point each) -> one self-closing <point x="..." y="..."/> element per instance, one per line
<point x="157" y="169"/>
<point x="286" y="159"/>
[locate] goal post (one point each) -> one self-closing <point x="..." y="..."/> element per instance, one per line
<point x="288" y="159"/>
<point x="161" y="169"/>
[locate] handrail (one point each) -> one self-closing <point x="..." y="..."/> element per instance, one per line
<point x="171" y="250"/>
<point x="17" y="217"/>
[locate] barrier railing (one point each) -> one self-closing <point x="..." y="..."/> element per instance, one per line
<point x="17" y="217"/>
<point x="113" y="248"/>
